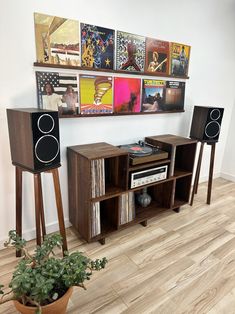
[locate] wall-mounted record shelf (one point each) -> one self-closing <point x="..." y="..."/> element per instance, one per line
<point x="79" y="68"/>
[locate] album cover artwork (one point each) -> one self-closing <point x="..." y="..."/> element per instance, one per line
<point x="97" y="46"/>
<point x="57" y="40"/>
<point x="173" y="96"/>
<point x="157" y="56"/>
<point x="152" y="95"/>
<point x="96" y="94"/>
<point x="130" y="53"/>
<point x="58" y="91"/>
<point x="126" y="94"/>
<point x="180" y="55"/>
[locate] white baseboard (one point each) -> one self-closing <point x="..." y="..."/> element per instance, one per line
<point x="31" y="234"/>
<point x="228" y="176"/>
<point x="205" y="178"/>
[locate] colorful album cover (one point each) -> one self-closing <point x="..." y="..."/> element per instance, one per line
<point x="58" y="91"/>
<point x="126" y="94"/>
<point x="157" y="56"/>
<point x="130" y="53"/>
<point x="180" y="54"/>
<point x="57" y="40"/>
<point x="96" y="94"/>
<point x="173" y="96"/>
<point x="97" y="46"/>
<point x="152" y="95"/>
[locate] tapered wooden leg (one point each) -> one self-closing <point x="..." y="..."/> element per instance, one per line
<point x="41" y="206"/>
<point x="59" y="207"/>
<point x="211" y="173"/>
<point x="197" y="174"/>
<point x="37" y="207"/>
<point x="18" y="182"/>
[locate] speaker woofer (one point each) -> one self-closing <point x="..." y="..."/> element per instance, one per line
<point x="46" y="123"/>
<point x="212" y="129"/>
<point x="47" y="148"/>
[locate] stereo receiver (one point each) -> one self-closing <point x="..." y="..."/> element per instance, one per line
<point x="148" y="176"/>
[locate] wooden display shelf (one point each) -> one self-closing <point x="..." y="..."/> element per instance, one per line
<point x="179" y="173"/>
<point x="168" y="194"/>
<point x="79" y="68"/>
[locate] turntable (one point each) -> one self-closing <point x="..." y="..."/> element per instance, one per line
<point x="142" y="152"/>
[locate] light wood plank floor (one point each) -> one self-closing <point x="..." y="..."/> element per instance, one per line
<point x="179" y="263"/>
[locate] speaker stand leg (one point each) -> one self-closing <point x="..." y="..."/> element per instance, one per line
<point x="59" y="207"/>
<point x="38" y="202"/>
<point x="211" y="173"/>
<point x="197" y="174"/>
<point x="18" y="182"/>
<point x="41" y="207"/>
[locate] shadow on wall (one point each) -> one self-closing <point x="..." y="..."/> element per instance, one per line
<point x="184" y="127"/>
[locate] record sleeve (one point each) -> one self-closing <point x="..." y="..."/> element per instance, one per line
<point x="58" y="91"/>
<point x="152" y="95"/>
<point x="130" y="54"/>
<point x="180" y="55"/>
<point x="157" y="56"/>
<point x="96" y="94"/>
<point x="57" y="40"/>
<point x="126" y="94"/>
<point x="174" y="93"/>
<point x="97" y="46"/>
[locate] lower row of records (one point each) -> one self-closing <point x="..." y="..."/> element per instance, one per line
<point x="126" y="208"/>
<point x="73" y="94"/>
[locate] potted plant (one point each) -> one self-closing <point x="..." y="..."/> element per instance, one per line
<point x="42" y="280"/>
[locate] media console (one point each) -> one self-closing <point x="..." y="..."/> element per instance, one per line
<point x="104" y="185"/>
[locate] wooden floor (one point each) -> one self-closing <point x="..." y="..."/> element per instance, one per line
<point x="179" y="263"/>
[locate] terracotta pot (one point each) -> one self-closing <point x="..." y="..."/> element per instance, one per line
<point x="58" y="307"/>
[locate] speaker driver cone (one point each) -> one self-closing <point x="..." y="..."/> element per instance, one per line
<point x="46" y="123"/>
<point x="47" y="148"/>
<point x="212" y="129"/>
<point x="215" y="114"/>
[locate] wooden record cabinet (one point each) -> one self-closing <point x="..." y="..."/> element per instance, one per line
<point x="100" y="198"/>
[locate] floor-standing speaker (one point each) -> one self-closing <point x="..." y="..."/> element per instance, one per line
<point x="206" y="123"/>
<point x="34" y="138"/>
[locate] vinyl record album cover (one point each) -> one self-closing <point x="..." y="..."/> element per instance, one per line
<point x="157" y="56"/>
<point x="96" y="94"/>
<point x="58" y="91"/>
<point x="180" y="54"/>
<point x="126" y="94"/>
<point x="152" y="95"/>
<point x="97" y="46"/>
<point x="130" y="53"/>
<point x="173" y="98"/>
<point x="57" y="40"/>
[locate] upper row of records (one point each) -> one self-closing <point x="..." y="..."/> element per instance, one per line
<point x="67" y="42"/>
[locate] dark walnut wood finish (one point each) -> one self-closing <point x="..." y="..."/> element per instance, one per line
<point x="168" y="194"/>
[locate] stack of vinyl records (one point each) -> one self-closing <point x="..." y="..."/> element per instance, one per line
<point x="95" y="219"/>
<point x="97" y="178"/>
<point x="126" y="205"/>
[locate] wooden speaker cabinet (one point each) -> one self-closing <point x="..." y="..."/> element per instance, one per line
<point x="206" y="123"/>
<point x="34" y="138"/>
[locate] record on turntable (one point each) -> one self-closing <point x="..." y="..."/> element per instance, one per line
<point x="137" y="150"/>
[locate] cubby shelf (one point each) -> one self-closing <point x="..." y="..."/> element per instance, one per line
<point x="102" y="213"/>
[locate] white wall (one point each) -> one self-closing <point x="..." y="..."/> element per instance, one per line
<point x="206" y="25"/>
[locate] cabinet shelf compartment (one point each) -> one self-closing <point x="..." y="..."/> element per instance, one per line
<point x="105" y="220"/>
<point x="178" y="173"/>
<point x="182" y="191"/>
<point x="116" y="174"/>
<point x="149" y="165"/>
<point x="161" y="195"/>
